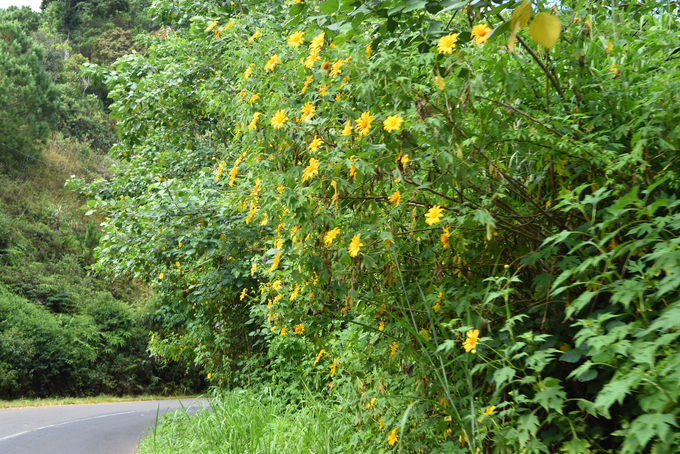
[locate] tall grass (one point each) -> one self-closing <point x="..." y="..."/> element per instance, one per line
<point x="245" y="422"/>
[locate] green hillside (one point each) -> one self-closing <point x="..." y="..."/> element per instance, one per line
<point x="64" y="329"/>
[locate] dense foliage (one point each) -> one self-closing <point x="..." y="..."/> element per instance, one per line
<point x="28" y="97"/>
<point x="467" y="237"/>
<point x="63" y="330"/>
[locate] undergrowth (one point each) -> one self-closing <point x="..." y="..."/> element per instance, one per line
<point x="247" y="422"/>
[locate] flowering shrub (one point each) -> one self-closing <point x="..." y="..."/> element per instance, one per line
<point x="435" y="222"/>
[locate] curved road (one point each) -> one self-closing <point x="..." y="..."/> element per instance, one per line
<point x="113" y="428"/>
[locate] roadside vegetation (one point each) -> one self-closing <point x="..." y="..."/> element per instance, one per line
<point x="399" y="225"/>
<point x="252" y="421"/>
<point x="64" y="330"/>
<point x="98" y="399"/>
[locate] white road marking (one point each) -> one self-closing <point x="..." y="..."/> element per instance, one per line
<point x="63" y="423"/>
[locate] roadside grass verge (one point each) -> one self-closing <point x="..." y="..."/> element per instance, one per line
<point x="245" y="422"/>
<point x="101" y="399"/>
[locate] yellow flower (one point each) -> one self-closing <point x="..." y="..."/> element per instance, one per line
<point x="396" y="197"/>
<point x="334" y="366"/>
<point x="211" y="26"/>
<point x="368" y="49"/>
<point x="217" y="34"/>
<point x="209" y="375"/>
<point x="243" y="293"/>
<point x="434" y="215"/>
<point x="312" y="58"/>
<point x="229" y="25"/>
<point x="393" y="123"/>
<point x="614" y="70"/>
<point x="352" y="171"/>
<point x="254" y="37"/>
<point x="364" y="123"/>
<point x="481" y="33"/>
<point x="275" y="263"/>
<point x="487" y="412"/>
<point x="447" y="43"/>
<point x="279" y="119"/>
<point x="160" y="276"/>
<point x="472" y="340"/>
<point x="382" y="326"/>
<point x="253" y="123"/>
<point x="254" y="97"/>
<point x="295" y="293"/>
<point x="315" y="144"/>
<point x="300" y="329"/>
<point x="307" y="82"/>
<point x="253" y="269"/>
<point x="307" y="111"/>
<point x="251" y="214"/>
<point x="355" y="245"/>
<point x="311" y="170"/>
<point x="404" y="159"/>
<point x="381" y="423"/>
<point x="335" y="70"/>
<point x="177" y="264"/>
<point x="330" y="236"/>
<point x="347" y="131"/>
<point x="323" y="89"/>
<point x="272" y="62"/>
<point x="283" y="332"/>
<point x="392" y="439"/>
<point x="317" y="42"/>
<point x="393" y="348"/>
<point x="445" y="238"/>
<point x="296" y="39"/>
<point x="608" y="48"/>
<point x="248" y="72"/>
<point x="318" y="357"/>
<point x="437" y="306"/>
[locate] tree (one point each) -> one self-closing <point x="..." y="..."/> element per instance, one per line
<point x="29" y="19"/>
<point x="28" y="97"/>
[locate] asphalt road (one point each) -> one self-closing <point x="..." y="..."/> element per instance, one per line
<point x="115" y="428"/>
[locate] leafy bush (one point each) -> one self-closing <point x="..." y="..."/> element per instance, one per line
<point x="472" y="245"/>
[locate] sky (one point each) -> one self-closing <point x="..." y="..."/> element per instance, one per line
<point x="34" y="4"/>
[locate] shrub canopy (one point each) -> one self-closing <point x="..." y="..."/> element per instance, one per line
<point x="458" y="219"/>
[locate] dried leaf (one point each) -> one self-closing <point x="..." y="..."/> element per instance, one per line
<point x="519" y="19"/>
<point x="545" y="29"/>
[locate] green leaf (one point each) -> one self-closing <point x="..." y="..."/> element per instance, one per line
<point x="576" y="446"/>
<point x="527" y="426"/>
<point x="551" y="397"/>
<point x="498" y="31"/>
<point x="296" y="9"/>
<point x="413" y="5"/>
<point x="502" y="375"/>
<point x="579" y="303"/>
<point x="571" y="356"/>
<point x="615" y="391"/>
<point x="329" y="6"/>
<point x="648" y="426"/>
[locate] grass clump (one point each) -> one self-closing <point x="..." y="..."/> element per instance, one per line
<point x="242" y="421"/>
